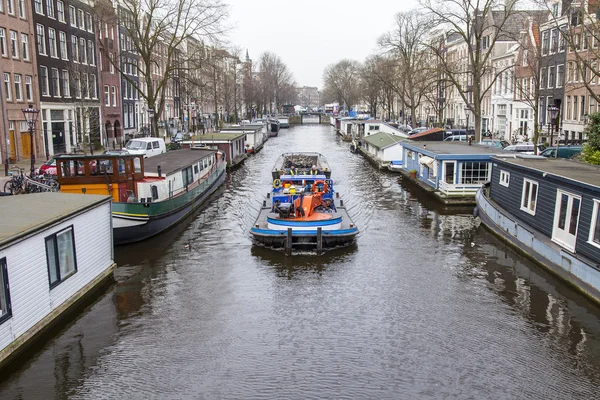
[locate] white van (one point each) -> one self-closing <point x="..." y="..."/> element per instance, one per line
<point x="147" y="146"/>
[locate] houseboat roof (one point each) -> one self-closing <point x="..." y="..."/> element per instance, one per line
<point x="242" y="128"/>
<point x="450" y="147"/>
<point x="25" y="214"/>
<point x="383" y="139"/>
<point x="175" y="160"/>
<point x="561" y="167"/>
<point x="426" y="133"/>
<point x="221" y="137"/>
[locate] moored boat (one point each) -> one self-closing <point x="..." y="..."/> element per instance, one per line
<point x="149" y="195"/>
<point x="302" y="162"/>
<point x="284" y="122"/>
<point x="273" y="127"/>
<point x="303" y="211"/>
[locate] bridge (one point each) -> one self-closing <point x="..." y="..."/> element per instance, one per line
<point x="311" y="117"/>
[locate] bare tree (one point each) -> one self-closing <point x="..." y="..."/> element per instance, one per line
<point x="342" y="82"/>
<point x="157" y="31"/>
<point x="479" y="24"/>
<point x="275" y="78"/>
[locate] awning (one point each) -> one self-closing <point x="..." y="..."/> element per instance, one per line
<point x="426" y="160"/>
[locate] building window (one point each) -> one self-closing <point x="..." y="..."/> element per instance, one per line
<point x="82" y="53"/>
<point x="80" y="22"/>
<point x="78" y="85"/>
<point x="504" y="178"/>
<point x="29" y="87"/>
<point x="44" y="80"/>
<point x="22" y="9"/>
<point x="529" y="196"/>
<point x="55" y="82"/>
<point x="63" y="45"/>
<point x="25" y="46"/>
<point x="544" y="77"/>
<point x="7" y="87"/>
<point x="93" y="87"/>
<point x="5" y="306"/>
<point x="551" y="77"/>
<point x="560" y="75"/>
<point x="106" y="96"/>
<point x="114" y="95"/>
<point x="90" y="55"/>
<point x="60" y="256"/>
<point x="474" y="172"/>
<point x="111" y="57"/>
<point x="18" y="88"/>
<point x="72" y="18"/>
<point x="66" y="87"/>
<point x="566" y="219"/>
<point x="50" y="8"/>
<point x="545" y="42"/>
<point x="3" y="42"/>
<point x="594" y="237"/>
<point x="14" y="44"/>
<point x="10" y="7"/>
<point x="38" y="6"/>
<point x="52" y="43"/>
<point x="88" y="22"/>
<point x="554" y="41"/>
<point x="41" y="39"/>
<point x="86" y="86"/>
<point x="74" y="49"/>
<point x="60" y="9"/>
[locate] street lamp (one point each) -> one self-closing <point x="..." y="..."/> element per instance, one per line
<point x="553" y="112"/>
<point x="150" y="117"/>
<point x="31" y="115"/>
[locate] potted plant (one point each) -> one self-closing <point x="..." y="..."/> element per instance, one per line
<point x="413" y="173"/>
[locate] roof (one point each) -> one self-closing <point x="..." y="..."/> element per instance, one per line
<point x="383" y="139"/>
<point x="25" y="214"/>
<point x="449" y="147"/>
<point x="568" y="169"/>
<point x="427" y="132"/>
<point x="210" y="137"/>
<point x="175" y="160"/>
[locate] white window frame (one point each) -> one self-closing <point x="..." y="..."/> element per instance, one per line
<point x="18" y="87"/>
<point x="29" y="87"/>
<point x="53" y="241"/>
<point x="560" y="236"/>
<point x="55" y="93"/>
<point x="22" y="12"/>
<point x="73" y="16"/>
<point x="504" y="178"/>
<point x="47" y="81"/>
<point x="25" y="46"/>
<point x="527" y="208"/>
<point x="3" y="43"/>
<point x="5" y="291"/>
<point x="107" y="95"/>
<point x="60" y="11"/>
<point x="14" y="44"/>
<point x="64" y="51"/>
<point x="443" y="176"/>
<point x="38" y="7"/>
<point x="114" y="95"/>
<point x="50" y="11"/>
<point x="7" y="87"/>
<point x="10" y="7"/>
<point x="593" y="224"/>
<point x="64" y="77"/>
<point x="43" y="40"/>
<point x="53" y="45"/>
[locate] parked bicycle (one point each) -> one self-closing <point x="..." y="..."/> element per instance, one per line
<point x="16" y="183"/>
<point x="20" y="183"/>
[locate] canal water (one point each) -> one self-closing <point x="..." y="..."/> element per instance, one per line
<point x="426" y="305"/>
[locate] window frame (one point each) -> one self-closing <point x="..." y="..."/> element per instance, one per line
<point x="504" y="178"/>
<point x="18" y="86"/>
<point x="537" y="192"/>
<point x="593" y="224"/>
<point x="41" y="43"/>
<point x="66" y="89"/>
<point x="7" y="86"/>
<point x="3" y="44"/>
<point x="29" y="87"/>
<point x="556" y="235"/>
<point x="5" y="290"/>
<point x="60" y="14"/>
<point x="45" y="82"/>
<point x="59" y="278"/>
<point x="25" y="46"/>
<point x="14" y="44"/>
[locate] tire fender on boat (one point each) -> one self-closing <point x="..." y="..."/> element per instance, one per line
<point x="277" y="183"/>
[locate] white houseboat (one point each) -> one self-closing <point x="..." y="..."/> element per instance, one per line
<point x="51" y="258"/>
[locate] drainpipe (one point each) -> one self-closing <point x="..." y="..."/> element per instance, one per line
<point x="4" y="147"/>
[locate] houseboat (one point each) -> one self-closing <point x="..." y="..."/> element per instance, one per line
<point x="549" y="209"/>
<point x="273" y="127"/>
<point x="382" y="148"/>
<point x="149" y="195"/>
<point x="284" y="121"/>
<point x="302" y="162"/>
<point x="256" y="135"/>
<point x="451" y="171"/>
<point x="232" y="144"/>
<point x="56" y="250"/>
<point x="303" y="211"/>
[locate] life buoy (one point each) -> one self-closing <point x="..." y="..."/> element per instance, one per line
<point x="276" y="183"/>
<point x="287" y="182"/>
<point x="325" y="186"/>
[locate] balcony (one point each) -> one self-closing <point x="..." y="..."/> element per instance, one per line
<point x="460" y="190"/>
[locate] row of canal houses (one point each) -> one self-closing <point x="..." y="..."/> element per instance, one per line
<point x="547" y="208"/>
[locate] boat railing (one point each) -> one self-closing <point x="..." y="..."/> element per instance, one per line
<point x="459" y="189"/>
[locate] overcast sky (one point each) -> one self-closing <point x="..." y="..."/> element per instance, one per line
<point x="308" y="35"/>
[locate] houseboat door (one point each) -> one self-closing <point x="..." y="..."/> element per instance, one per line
<point x="448" y="171"/>
<point x="566" y="219"/>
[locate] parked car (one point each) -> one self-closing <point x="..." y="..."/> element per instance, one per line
<point x="48" y="168"/>
<point x="525" y="148"/>
<point x="147" y="146"/>
<point x="418" y="130"/>
<point x="452" y="132"/>
<point x="178" y="137"/>
<point x="497" y="143"/>
<point x="117" y="152"/>
<point x="458" y="138"/>
<point x="562" y="151"/>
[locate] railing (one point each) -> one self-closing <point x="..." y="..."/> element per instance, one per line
<point x="459" y="189"/>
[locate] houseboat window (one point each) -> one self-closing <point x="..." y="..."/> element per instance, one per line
<point x="60" y="256"/>
<point x="137" y="165"/>
<point x="196" y="168"/>
<point x="566" y="219"/>
<point x="68" y="168"/>
<point x="529" y="196"/>
<point x="5" y="308"/>
<point x="154" y="190"/>
<point x="449" y="172"/>
<point x="595" y="228"/>
<point x="121" y="165"/>
<point x="474" y="172"/>
<point x="188" y="177"/>
<point x="504" y="178"/>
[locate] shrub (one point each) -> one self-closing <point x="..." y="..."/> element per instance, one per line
<point x="591" y="150"/>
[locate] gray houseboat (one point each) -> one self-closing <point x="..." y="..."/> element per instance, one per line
<point x="548" y="208"/>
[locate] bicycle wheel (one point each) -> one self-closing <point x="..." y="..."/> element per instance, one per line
<point x="8" y="187"/>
